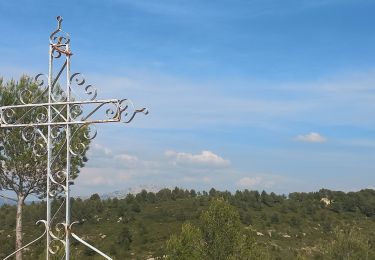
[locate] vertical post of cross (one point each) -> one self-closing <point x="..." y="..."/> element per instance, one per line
<point x="67" y="191"/>
<point x="49" y="150"/>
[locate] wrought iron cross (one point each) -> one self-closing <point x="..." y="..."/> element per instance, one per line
<point x="59" y="117"/>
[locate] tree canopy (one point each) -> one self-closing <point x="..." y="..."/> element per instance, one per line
<point x="23" y="163"/>
<point x="23" y="167"/>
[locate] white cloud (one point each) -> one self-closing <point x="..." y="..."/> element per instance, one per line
<point x="249" y="181"/>
<point x="311" y="138"/>
<point x="205" y="158"/>
<point x="263" y="181"/>
<point x="99" y="149"/>
<point x="202" y="170"/>
<point x="128" y="161"/>
<point x="173" y="169"/>
<point x="196" y="179"/>
<point x="126" y="158"/>
<point x="93" y="177"/>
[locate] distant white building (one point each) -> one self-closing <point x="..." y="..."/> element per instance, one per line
<point x="326" y="201"/>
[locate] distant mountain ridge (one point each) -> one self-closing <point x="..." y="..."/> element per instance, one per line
<point x="4" y="200"/>
<point x="120" y="194"/>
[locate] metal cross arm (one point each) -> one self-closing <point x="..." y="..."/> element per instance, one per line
<point x="115" y="111"/>
<point x="58" y="122"/>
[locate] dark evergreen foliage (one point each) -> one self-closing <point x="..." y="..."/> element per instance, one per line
<point x="300" y="225"/>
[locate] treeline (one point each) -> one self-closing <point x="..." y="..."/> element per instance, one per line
<point x="300" y="225"/>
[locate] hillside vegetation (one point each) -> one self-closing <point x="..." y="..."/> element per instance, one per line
<point x="316" y="225"/>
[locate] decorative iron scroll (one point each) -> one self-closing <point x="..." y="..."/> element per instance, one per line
<point x="51" y="117"/>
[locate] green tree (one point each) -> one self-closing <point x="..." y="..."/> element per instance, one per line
<point x="347" y="244"/>
<point x="275" y="218"/>
<point x="188" y="245"/>
<point x="221" y="227"/>
<point x="219" y="238"/>
<point x="125" y="238"/>
<point x="136" y="207"/>
<point x="22" y="170"/>
<point x="250" y="249"/>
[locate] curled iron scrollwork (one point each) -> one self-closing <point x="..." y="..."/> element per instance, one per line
<point x="75" y="111"/>
<point x="128" y="111"/>
<point x="57" y="238"/>
<point x="58" y="95"/>
<point x="86" y="133"/>
<point x="28" y="133"/>
<point x="57" y="178"/>
<point x="79" y="80"/>
<point x="112" y="112"/>
<point x="8" y="116"/>
<point x="78" y="149"/>
<point x="91" y="132"/>
<point x="57" y="132"/>
<point x="31" y="94"/>
<point x="37" y="138"/>
<point x="40" y="147"/>
<point x="60" y="40"/>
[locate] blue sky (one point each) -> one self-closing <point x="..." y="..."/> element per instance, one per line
<point x="262" y="94"/>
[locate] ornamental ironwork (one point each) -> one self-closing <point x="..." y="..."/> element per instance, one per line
<point x="61" y="113"/>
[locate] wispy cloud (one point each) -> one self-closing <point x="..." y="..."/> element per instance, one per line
<point x="202" y="170"/>
<point x="203" y="159"/>
<point x="96" y="177"/>
<point x="311" y="138"/>
<point x="263" y="181"/>
<point x="100" y="149"/>
<point x="249" y="182"/>
<point x="109" y="169"/>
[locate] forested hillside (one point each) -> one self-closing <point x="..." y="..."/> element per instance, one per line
<point x="316" y="225"/>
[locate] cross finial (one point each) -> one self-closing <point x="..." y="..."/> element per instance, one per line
<point x="59" y="21"/>
<point x="59" y="39"/>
